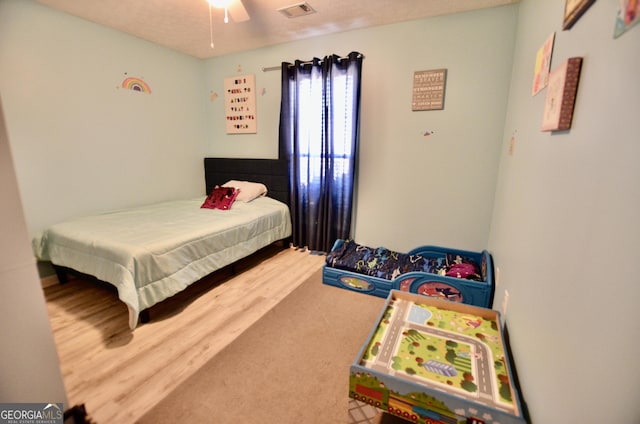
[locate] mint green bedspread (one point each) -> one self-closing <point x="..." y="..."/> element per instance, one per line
<point x="153" y="252"/>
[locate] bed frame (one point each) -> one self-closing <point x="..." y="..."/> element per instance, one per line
<point x="274" y="173"/>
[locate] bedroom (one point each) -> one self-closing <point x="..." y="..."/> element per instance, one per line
<point x="566" y="200"/>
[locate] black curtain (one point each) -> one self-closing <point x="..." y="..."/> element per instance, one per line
<point x="319" y="134"/>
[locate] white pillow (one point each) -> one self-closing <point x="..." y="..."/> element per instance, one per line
<point x="248" y="190"/>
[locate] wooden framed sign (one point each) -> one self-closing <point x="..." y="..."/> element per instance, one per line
<point x="561" y="95"/>
<point x="240" y="104"/>
<point x="573" y="10"/>
<point x="428" y="89"/>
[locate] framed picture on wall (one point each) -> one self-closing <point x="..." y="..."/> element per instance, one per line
<point x="628" y="16"/>
<point x="428" y="89"/>
<point x="573" y="10"/>
<point x="543" y="63"/>
<point x="240" y="104"/>
<point x="561" y="95"/>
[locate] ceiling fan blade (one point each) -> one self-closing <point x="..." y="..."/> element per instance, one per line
<point x="237" y="11"/>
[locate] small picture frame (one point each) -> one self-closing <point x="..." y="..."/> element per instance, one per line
<point x="428" y="89"/>
<point x="561" y="95"/>
<point x="543" y="63"/>
<point x="628" y="16"/>
<point x="573" y="10"/>
<point x="240" y="104"/>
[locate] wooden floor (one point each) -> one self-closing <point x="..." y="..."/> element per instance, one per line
<point x="120" y="374"/>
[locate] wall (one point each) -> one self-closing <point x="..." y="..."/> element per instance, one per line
<point x="28" y="359"/>
<point x="80" y="142"/>
<point x="412" y="189"/>
<point x="565" y="232"/>
<point x="76" y="135"/>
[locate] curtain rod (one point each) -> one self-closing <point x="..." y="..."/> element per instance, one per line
<point x="277" y="68"/>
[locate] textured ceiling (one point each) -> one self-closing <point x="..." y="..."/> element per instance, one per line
<point x="183" y="25"/>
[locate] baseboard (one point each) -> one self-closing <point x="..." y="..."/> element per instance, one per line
<point x="48" y="281"/>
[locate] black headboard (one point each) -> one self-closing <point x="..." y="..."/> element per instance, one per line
<point x="274" y="173"/>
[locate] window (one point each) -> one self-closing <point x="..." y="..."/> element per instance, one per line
<point x="319" y="129"/>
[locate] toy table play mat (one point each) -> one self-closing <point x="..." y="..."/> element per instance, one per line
<point x="432" y="361"/>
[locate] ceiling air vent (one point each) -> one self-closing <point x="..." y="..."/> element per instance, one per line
<point x="297" y="10"/>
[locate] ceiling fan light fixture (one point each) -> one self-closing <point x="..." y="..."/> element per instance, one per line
<point x="238" y="12"/>
<point x="220" y="4"/>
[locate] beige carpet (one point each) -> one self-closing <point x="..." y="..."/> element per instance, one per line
<point x="292" y="366"/>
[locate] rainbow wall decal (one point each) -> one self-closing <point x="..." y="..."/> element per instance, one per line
<point x="136" y="84"/>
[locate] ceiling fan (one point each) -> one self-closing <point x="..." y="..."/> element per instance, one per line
<point x="235" y="8"/>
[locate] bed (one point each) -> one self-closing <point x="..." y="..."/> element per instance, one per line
<point x="152" y="252"/>
<point x="450" y="274"/>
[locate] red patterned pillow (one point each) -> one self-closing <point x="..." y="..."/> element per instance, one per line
<point x="221" y="198"/>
